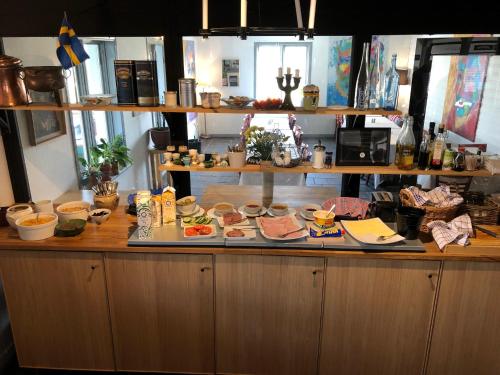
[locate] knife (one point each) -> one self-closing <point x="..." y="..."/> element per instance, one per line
<point x="487" y="231"/>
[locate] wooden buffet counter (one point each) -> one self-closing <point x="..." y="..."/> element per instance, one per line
<point x="93" y="303"/>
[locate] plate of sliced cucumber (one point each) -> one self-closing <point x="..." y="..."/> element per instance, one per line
<point x="200" y="220"/>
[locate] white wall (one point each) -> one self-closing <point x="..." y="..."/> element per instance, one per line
<point x="209" y="54"/>
<point x="50" y="165"/>
<point x="6" y="194"/>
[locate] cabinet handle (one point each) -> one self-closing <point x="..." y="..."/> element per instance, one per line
<point x="203" y="269"/>
<point x="93" y="267"/>
<point x="431" y="279"/>
<point x="314" y="273"/>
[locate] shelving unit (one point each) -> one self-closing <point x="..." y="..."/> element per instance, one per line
<point x="307" y="168"/>
<point x="198" y="109"/>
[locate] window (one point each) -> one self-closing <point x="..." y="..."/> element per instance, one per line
<point x="94" y="76"/>
<point x="270" y="56"/>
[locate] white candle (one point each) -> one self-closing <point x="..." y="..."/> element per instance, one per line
<point x="312" y="14"/>
<point x="297" y="73"/>
<point x="205" y="14"/>
<point x="288" y="70"/>
<point x="243" y="13"/>
<point x="280" y="72"/>
<point x="298" y="12"/>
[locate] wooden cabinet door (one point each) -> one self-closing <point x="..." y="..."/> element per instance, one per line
<point x="58" y="309"/>
<point x="268" y="312"/>
<point x="162" y="312"/>
<point x="466" y="334"/>
<point x="377" y="316"/>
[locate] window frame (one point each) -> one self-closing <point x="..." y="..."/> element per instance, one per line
<point x="282" y="46"/>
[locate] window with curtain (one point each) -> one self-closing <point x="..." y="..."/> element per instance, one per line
<point x="270" y="56"/>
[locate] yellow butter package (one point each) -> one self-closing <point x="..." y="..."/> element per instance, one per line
<point x="168" y="205"/>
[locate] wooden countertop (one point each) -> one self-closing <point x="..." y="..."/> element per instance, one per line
<point x="112" y="236"/>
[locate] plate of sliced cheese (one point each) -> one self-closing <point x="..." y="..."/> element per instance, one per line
<point x="368" y="231"/>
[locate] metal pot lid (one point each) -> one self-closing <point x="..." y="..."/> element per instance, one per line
<point x="9" y="61"/>
<point x="311" y="88"/>
<point x="319" y="147"/>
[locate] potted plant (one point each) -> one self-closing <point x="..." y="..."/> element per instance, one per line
<point x="160" y="135"/>
<point x="120" y="151"/>
<point x="260" y="142"/>
<point x="236" y="155"/>
<point x="105" y="153"/>
<point x="90" y="168"/>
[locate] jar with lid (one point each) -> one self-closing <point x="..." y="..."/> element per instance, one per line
<point x="319" y="156"/>
<point x="311" y="97"/>
<point x="12" y="89"/>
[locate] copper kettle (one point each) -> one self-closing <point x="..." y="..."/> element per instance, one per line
<point x="12" y="89"/>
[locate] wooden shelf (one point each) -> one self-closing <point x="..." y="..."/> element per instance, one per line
<point x="198" y="109"/>
<point x="307" y="168"/>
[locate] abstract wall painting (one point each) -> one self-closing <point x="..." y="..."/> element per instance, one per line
<point x="464" y="93"/>
<point x="339" y="68"/>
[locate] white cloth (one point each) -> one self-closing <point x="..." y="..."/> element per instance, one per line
<point x="457" y="230"/>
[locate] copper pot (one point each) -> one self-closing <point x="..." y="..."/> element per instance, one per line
<point x="12" y="89"/>
<point x="44" y="78"/>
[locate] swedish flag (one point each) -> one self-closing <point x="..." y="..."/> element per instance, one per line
<point x="70" y="51"/>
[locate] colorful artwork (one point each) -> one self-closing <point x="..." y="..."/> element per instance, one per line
<point x="339" y="68"/>
<point x="464" y="93"/>
<point x="189" y="59"/>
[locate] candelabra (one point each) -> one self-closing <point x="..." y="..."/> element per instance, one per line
<point x="288" y="88"/>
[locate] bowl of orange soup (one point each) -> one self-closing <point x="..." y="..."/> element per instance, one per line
<point x="38" y="226"/>
<point x="73" y="210"/>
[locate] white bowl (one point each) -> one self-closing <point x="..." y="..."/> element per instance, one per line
<point x="99" y="219"/>
<point x="279" y="209"/>
<point x="309" y="209"/>
<point x="16" y="211"/>
<point x="82" y="214"/>
<point x="36" y="232"/>
<point x="252" y="207"/>
<point x="222" y="208"/>
<point x="188" y="208"/>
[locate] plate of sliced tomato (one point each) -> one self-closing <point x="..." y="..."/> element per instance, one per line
<point x="200" y="231"/>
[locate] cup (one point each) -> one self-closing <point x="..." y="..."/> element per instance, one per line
<point x="171" y="99"/>
<point x="171" y="148"/>
<point x="176" y="155"/>
<point x="471" y="162"/>
<point x="408" y="220"/>
<point x="186" y="160"/>
<point x="279" y="209"/>
<point x="167" y="156"/>
<point x="183" y="149"/>
<point x="44" y="206"/>
<point x="201" y="158"/>
<point x="193" y="153"/>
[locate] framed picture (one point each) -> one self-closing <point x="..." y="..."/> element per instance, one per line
<point x="45" y="125"/>
<point x="230" y="73"/>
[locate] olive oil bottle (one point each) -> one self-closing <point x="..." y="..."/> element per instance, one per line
<point x="405" y="145"/>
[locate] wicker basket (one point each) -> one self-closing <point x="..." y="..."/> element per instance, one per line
<point x="431" y="213"/>
<point x="484" y="214"/>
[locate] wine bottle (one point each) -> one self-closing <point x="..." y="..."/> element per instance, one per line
<point x="432" y="137"/>
<point x="405" y="145"/>
<point x="376" y="82"/>
<point x="391" y="86"/>
<point x="423" y="153"/>
<point x="361" y="95"/>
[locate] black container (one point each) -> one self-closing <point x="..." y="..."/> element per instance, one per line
<point x="126" y="91"/>
<point x="160" y="137"/>
<point x="408" y="220"/>
<point x="147" y="83"/>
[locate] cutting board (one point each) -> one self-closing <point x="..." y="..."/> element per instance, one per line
<point x="483" y="244"/>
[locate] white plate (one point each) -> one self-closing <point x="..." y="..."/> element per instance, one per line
<point x="190" y="225"/>
<point x="198" y="211"/>
<point x="249" y="234"/>
<point x="304" y="232"/>
<point x="291" y="211"/>
<point x="241" y="210"/>
<point x="305" y="217"/>
<point x="211" y="213"/>
<point x="220" y="220"/>
<point x="213" y="234"/>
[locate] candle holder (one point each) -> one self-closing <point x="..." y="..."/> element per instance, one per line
<point x="288" y="88"/>
<point x="243" y="33"/>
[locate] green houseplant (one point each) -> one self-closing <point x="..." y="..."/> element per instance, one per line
<point x="120" y="151"/>
<point x="90" y="169"/>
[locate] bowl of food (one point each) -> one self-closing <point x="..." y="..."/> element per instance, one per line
<point x="16" y="211"/>
<point x="252" y="207"/>
<point x="186" y="205"/>
<point x="308" y="210"/>
<point x="98" y="99"/>
<point x="70" y="228"/>
<point x="73" y="210"/>
<point x="237" y="101"/>
<point x="223" y="208"/>
<point x="35" y="227"/>
<point x="268" y="104"/>
<point x="279" y="209"/>
<point x="323" y="218"/>
<point x="99" y="215"/>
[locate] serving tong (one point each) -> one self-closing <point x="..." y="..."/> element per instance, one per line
<point x="105" y="188"/>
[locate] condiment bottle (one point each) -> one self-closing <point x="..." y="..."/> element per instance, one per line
<point x="319" y="156"/>
<point x="448" y="158"/>
<point x="405" y="145"/>
<point x="438" y="151"/>
<point x="423" y="153"/>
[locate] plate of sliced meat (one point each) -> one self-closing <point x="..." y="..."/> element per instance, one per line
<point x="239" y="233"/>
<point x="282" y="228"/>
<point x="232" y="218"/>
